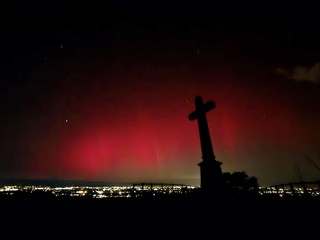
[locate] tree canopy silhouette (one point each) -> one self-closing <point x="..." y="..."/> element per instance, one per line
<point x="240" y="182"/>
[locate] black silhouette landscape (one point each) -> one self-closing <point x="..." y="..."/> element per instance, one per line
<point x="159" y="119"/>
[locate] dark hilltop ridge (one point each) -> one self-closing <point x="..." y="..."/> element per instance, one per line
<point x="190" y="209"/>
<point x="192" y="215"/>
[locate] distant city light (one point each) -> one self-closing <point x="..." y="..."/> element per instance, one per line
<point x="101" y="191"/>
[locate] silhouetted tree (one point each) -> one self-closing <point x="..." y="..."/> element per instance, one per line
<point x="313" y="163"/>
<point x="240" y="182"/>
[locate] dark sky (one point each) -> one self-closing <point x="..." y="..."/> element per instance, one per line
<point x="101" y="90"/>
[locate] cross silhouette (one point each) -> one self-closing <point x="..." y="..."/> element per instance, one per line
<point x="211" y="173"/>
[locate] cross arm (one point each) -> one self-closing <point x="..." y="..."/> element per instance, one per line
<point x="193" y="115"/>
<point x="208" y="106"/>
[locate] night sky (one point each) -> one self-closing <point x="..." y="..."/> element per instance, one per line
<point x="101" y="90"/>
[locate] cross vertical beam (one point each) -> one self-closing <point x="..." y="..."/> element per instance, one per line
<point x="210" y="169"/>
<point x="200" y="114"/>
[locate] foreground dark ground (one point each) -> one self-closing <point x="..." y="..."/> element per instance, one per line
<point x="183" y="214"/>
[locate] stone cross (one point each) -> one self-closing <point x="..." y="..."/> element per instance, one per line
<point x="211" y="173"/>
